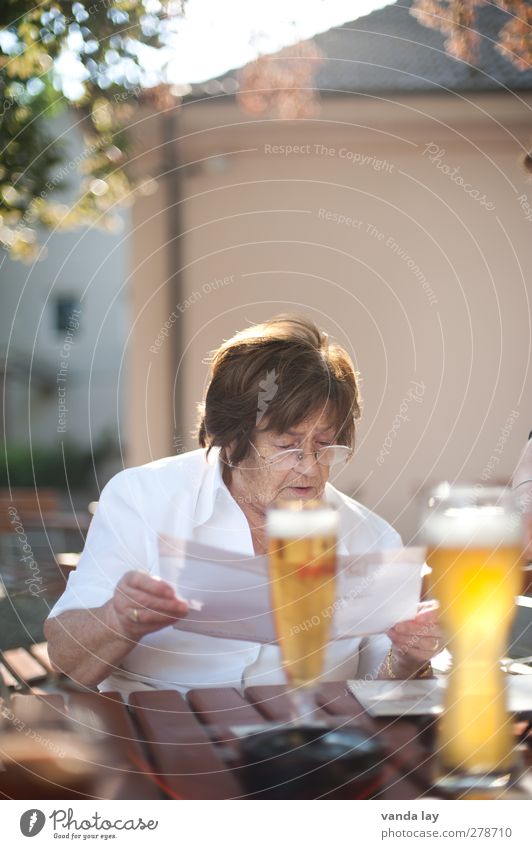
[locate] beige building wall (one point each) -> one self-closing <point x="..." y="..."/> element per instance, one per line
<point x="347" y="219"/>
<point x="149" y="425"/>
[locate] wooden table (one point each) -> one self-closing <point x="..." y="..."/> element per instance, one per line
<point x="163" y="745"/>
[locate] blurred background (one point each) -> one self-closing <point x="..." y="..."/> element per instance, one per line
<point x="173" y="172"/>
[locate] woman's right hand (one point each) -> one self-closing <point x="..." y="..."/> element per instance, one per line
<point x="143" y="603"/>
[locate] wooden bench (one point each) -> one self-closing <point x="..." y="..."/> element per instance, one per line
<point x="29" y="504"/>
<point x="32" y="523"/>
<point x="23" y="669"/>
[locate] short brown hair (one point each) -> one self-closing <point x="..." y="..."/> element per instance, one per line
<point x="272" y="376"/>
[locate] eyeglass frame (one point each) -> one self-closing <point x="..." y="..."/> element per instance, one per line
<point x="301" y="454"/>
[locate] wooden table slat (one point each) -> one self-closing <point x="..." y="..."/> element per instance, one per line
<point x="274" y="704"/>
<point x="105" y="717"/>
<point x="7" y="676"/>
<point x="36" y="710"/>
<point x="24" y="666"/>
<point x="336" y="700"/>
<point x="40" y="653"/>
<point x="223" y="706"/>
<point x="189" y="765"/>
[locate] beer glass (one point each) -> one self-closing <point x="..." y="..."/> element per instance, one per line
<point x="302" y="539"/>
<point x="473" y="536"/>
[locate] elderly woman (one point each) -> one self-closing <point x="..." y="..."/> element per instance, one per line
<point x="278" y="417"/>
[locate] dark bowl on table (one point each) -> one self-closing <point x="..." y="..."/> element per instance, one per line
<point x="311" y="762"/>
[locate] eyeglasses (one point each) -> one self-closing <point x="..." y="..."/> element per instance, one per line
<point x="331" y="455"/>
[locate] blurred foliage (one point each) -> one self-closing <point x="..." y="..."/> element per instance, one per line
<point x="282" y="84"/>
<point x="64" y="467"/>
<point x="457" y="19"/>
<point x="103" y="41"/>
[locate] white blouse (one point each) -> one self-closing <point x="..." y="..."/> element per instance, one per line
<point x="185" y="496"/>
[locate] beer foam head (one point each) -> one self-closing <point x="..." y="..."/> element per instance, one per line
<point x="300" y="519"/>
<point x="474" y="526"/>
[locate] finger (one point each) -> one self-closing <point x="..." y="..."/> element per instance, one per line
<point x="128" y="597"/>
<point x="425" y="623"/>
<point x="148" y="619"/>
<point x="417" y="658"/>
<point x="424" y="648"/>
<point x="138" y="598"/>
<point x="137" y="580"/>
<point x="414" y="632"/>
<point x="146" y="593"/>
<point x="410" y="627"/>
<point x="429" y="604"/>
<point x="428" y="645"/>
<point x="427" y="619"/>
<point x="410" y="631"/>
<point x="152" y="613"/>
<point x="176" y="607"/>
<point x="426" y="616"/>
<point x="137" y="622"/>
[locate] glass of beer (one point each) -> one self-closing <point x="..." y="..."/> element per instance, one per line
<point x="302" y="538"/>
<point x="474" y="550"/>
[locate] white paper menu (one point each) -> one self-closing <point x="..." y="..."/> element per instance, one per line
<point x="229" y="593"/>
<point x="420" y="697"/>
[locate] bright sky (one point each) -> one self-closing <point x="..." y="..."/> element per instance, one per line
<point x="217" y="35"/>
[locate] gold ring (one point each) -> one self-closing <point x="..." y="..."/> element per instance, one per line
<point x="134" y="615"/>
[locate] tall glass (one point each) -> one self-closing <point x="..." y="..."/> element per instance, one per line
<point x="302" y="538"/>
<point x="473" y="536"/>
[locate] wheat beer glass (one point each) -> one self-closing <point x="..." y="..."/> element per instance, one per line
<point x="473" y="536"/>
<point x="302" y="539"/>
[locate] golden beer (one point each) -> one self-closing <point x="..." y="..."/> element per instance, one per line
<point x="302" y="559"/>
<point x="475" y="557"/>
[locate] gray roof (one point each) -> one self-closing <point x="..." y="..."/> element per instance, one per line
<point x="389" y="51"/>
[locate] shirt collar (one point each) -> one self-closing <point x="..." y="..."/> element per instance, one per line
<point x="211" y="483"/>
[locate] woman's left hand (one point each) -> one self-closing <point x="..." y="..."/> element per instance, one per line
<point x="417" y="640"/>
